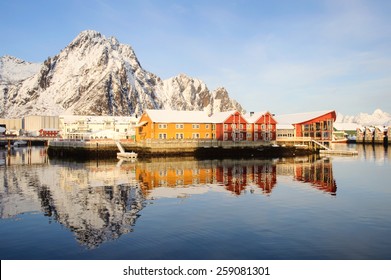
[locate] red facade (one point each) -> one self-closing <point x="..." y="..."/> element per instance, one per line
<point x="320" y="128"/>
<point x="263" y="128"/>
<point x="233" y="128"/>
<point x="48" y="132"/>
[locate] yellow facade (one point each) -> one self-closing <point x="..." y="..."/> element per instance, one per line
<point x="147" y="129"/>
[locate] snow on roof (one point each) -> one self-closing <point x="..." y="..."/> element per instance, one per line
<point x="382" y="128"/>
<point x="346" y="126"/>
<point x="284" y="126"/>
<point x="171" y="116"/>
<point x="253" y="117"/>
<point x="300" y="117"/>
<point x="220" y="117"/>
<point x="96" y="119"/>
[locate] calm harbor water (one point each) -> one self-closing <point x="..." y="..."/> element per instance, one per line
<point x="293" y="208"/>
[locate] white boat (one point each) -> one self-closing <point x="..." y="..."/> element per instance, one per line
<point x="127" y="156"/>
<point x="20" y="143"/>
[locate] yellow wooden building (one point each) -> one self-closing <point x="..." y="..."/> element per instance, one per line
<point x="168" y="124"/>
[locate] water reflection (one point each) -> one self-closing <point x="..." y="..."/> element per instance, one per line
<point x="100" y="201"/>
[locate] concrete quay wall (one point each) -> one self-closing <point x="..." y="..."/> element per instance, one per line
<point x="201" y="149"/>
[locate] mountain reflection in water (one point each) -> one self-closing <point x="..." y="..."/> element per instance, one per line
<point x="101" y="200"/>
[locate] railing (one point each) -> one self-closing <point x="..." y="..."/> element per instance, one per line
<point x="161" y="144"/>
<point x="294" y="139"/>
<point x="196" y="143"/>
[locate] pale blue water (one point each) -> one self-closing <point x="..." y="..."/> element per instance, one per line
<point x="299" y="208"/>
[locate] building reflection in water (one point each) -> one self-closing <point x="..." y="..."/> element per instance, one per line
<point x="317" y="173"/>
<point x="100" y="201"/>
<point x="234" y="176"/>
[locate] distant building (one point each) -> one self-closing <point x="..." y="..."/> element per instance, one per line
<point x="360" y="134"/>
<point x="11" y="124"/>
<point x="373" y="135"/>
<point x="49" y="132"/>
<point x="33" y="124"/>
<point x="97" y="127"/>
<point x="345" y="131"/>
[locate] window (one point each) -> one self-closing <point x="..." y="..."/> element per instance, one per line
<point x="248" y="126"/>
<point x="248" y="137"/>
<point x="241" y="126"/>
<point x="196" y="126"/>
<point x="213" y="126"/>
<point x="207" y="126"/>
<point x="162" y="126"/>
<point x="255" y="127"/>
<point x="179" y="136"/>
<point x="225" y="136"/>
<point x="207" y="135"/>
<point x="162" y="136"/>
<point x="225" y="126"/>
<point x="179" y="126"/>
<point x="195" y="135"/>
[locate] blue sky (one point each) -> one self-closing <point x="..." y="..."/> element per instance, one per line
<point x="281" y="56"/>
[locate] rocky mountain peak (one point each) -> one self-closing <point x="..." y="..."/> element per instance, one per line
<point x="95" y="75"/>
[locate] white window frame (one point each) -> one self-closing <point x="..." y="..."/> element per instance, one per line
<point x="162" y="136"/>
<point x="162" y="126"/>
<point x="179" y="136"/>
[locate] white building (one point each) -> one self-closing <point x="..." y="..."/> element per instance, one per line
<point x="97" y="127"/>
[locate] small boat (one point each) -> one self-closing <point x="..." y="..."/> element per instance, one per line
<point x="127" y="156"/>
<point x="341" y="140"/>
<point x="20" y="143"/>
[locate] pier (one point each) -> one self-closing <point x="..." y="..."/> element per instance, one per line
<point x="173" y="147"/>
<point x="338" y="152"/>
<point x="191" y="147"/>
<point x="11" y="139"/>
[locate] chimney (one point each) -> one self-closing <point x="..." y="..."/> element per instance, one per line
<point x="251" y="114"/>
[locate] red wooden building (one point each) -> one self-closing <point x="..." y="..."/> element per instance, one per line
<point x="317" y="125"/>
<point x="261" y="126"/>
<point x="229" y="126"/>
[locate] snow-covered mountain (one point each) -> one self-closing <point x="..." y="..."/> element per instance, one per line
<point x="13" y="70"/>
<point x="378" y="117"/>
<point x="95" y="75"/>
